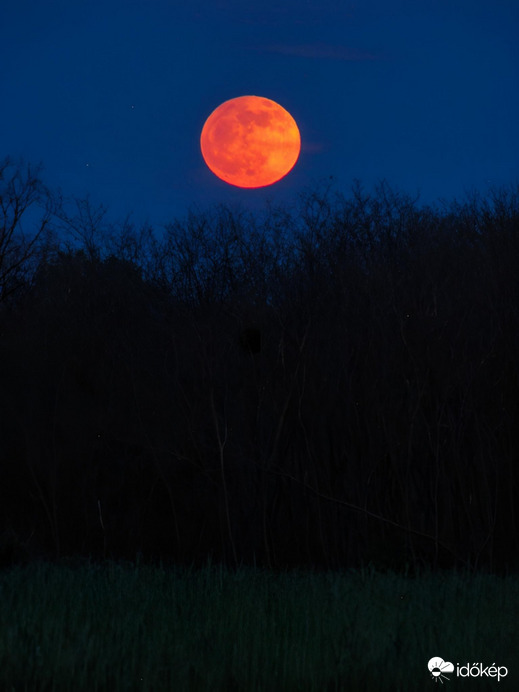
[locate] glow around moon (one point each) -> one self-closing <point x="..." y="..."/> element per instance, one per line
<point x="250" y="141"/>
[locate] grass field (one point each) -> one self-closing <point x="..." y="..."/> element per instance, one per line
<point x="137" y="627"/>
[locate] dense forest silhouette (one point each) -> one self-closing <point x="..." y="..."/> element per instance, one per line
<point x="325" y="386"/>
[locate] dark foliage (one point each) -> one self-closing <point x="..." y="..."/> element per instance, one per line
<point x="376" y="421"/>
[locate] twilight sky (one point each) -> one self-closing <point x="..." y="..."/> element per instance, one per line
<point x="111" y="95"/>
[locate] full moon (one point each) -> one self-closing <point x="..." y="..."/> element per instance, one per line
<point x="250" y="141"/>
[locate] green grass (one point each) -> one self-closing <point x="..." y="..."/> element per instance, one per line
<point x="137" y="627"/>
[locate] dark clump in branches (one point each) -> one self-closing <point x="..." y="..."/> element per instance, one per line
<point x="250" y="340"/>
<point x="376" y="422"/>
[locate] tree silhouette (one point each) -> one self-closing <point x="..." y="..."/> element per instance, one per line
<point x="328" y="388"/>
<point x="24" y="201"/>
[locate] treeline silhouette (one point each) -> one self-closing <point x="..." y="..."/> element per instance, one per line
<point x="330" y="386"/>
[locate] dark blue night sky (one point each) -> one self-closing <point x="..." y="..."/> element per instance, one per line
<point x="111" y="95"/>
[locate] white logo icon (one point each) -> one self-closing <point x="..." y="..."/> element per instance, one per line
<point x="438" y="667"/>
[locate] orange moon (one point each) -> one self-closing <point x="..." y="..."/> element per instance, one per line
<point x="250" y="141"/>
